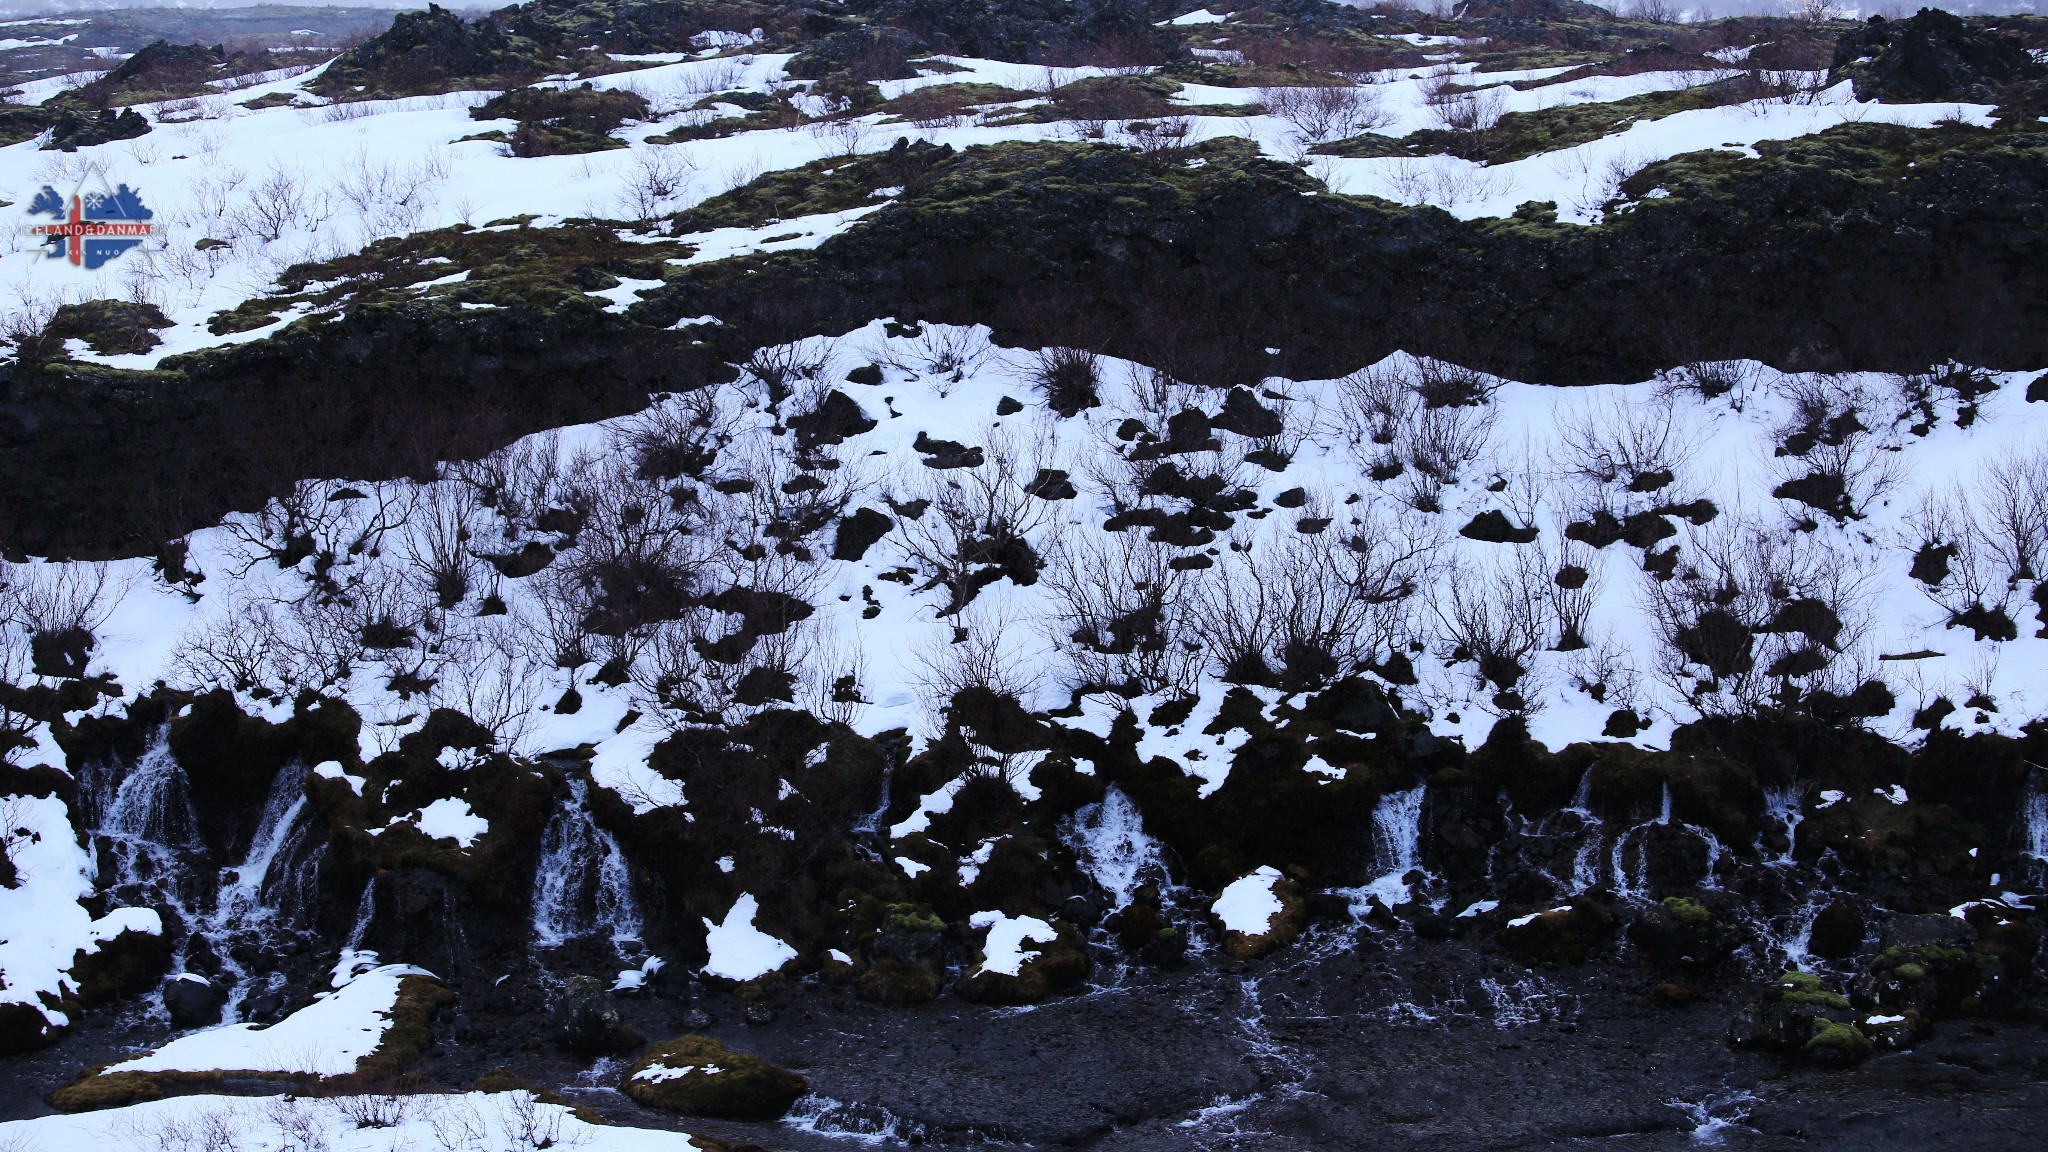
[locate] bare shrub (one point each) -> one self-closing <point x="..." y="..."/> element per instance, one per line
<point x="2014" y="512"/>
<point x="638" y="553"/>
<point x="1119" y="619"/>
<point x="1614" y="442"/>
<point x="1164" y="135"/>
<point x="678" y="435"/>
<point x="1296" y="610"/>
<point x="62" y="607"/>
<point x="657" y="181"/>
<point x="944" y="350"/>
<point x="1496" y="615"/>
<point x="1830" y="456"/>
<point x="1378" y="404"/>
<point x="1976" y="547"/>
<point x="279" y="203"/>
<point x="1756" y="616"/>
<point x="1470" y="113"/>
<point x="991" y="649"/>
<point x="977" y="523"/>
<point x="781" y="369"/>
<point x="1322" y="114"/>
<point x="372" y="1110"/>
<point x="1067" y="378"/>
<point x="441" y="527"/>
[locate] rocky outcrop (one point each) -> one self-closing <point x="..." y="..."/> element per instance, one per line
<point x="1932" y="56"/>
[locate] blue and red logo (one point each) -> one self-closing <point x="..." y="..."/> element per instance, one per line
<point x="92" y="227"/>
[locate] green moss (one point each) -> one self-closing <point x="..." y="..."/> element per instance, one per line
<point x="420" y="999"/>
<point x="1807" y="988"/>
<point x="1837" y="1043"/>
<point x="1690" y="912"/>
<point x="909" y="918"/>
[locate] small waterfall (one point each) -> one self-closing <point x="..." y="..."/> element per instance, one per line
<point x="261" y="897"/>
<point x="145" y="831"/>
<point x="1787" y="806"/>
<point x="1397" y="844"/>
<point x="1585" y="864"/>
<point x="148" y="851"/>
<point x="1110" y="840"/>
<point x="1631" y="884"/>
<point x="366" y="910"/>
<point x="2036" y="849"/>
<point x="249" y="892"/>
<point x="582" y="887"/>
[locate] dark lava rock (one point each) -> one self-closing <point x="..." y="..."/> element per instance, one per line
<point x="1493" y="527"/>
<point x="1935" y="55"/>
<point x="698" y="1076"/>
<point x="1681" y="930"/>
<point x="1561" y="935"/>
<point x="1837" y="932"/>
<point x="1800" y="1015"/>
<point x="74" y="130"/>
<point x="193" y="1001"/>
<point x="588" y="1022"/>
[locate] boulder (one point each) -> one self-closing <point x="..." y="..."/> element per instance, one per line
<point x="193" y="1001"/>
<point x="587" y="1022"/>
<point x="1682" y="930"/>
<point x="698" y="1076"/>
<point x="1837" y="932"/>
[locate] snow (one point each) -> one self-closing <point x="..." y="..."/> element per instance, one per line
<point x="740" y="951"/>
<point x="1583" y="179"/>
<point x="1478" y="907"/>
<point x="1248" y="904"/>
<point x="1198" y="16"/>
<point x="292" y="1124"/>
<point x="658" y="1073"/>
<point x="450" y="818"/>
<point x="42" y="924"/>
<point x="332" y="770"/>
<point x="325" y="1038"/>
<point x="1004" y="950"/>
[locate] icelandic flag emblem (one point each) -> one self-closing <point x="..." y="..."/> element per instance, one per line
<point x="92" y="227"/>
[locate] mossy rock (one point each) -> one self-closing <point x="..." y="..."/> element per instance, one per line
<point x="698" y="1076"/>
<point x="1805" y="988"/>
<point x="1838" y="1045"/>
<point x="96" y="1089"/>
<point x="1684" y="930"/>
<point x="1561" y="935"/>
<point x="898" y="983"/>
<point x="1052" y="969"/>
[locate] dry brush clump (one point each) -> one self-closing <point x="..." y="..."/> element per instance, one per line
<point x="1978" y="546"/>
<point x="1760" y="616"/>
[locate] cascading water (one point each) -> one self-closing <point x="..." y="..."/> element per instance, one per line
<point x="270" y="889"/>
<point x="582" y="887"/>
<point x="144" y="830"/>
<point x="148" y="851"/>
<point x="1585" y="863"/>
<point x="1786" y="806"/>
<point x="1110" y="841"/>
<point x="1397" y="844"/>
<point x="2035" y="848"/>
